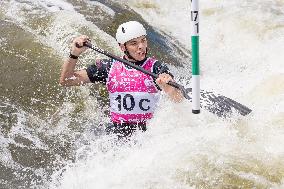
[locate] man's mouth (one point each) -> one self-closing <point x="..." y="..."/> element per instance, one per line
<point x="141" y="53"/>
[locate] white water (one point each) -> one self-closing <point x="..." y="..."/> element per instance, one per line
<point x="241" y="57"/>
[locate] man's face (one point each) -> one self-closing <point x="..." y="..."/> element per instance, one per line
<point x="136" y="47"/>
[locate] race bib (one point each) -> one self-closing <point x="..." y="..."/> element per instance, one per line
<point x="133" y="102"/>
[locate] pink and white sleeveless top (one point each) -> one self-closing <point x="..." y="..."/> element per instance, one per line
<point x="133" y="94"/>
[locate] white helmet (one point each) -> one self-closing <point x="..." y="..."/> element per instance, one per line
<point x="129" y="30"/>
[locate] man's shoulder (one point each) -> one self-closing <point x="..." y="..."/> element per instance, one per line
<point x="101" y="64"/>
<point x="99" y="70"/>
<point x="160" y="67"/>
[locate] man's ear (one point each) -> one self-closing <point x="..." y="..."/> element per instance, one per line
<point x="122" y="47"/>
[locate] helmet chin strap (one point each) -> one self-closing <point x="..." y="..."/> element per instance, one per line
<point x="126" y="52"/>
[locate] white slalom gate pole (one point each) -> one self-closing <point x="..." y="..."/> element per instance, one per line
<point x="195" y="57"/>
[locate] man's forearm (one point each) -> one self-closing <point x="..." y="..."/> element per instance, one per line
<point x="174" y="94"/>
<point x="67" y="77"/>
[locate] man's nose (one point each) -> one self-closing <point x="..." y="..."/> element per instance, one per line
<point x="140" y="45"/>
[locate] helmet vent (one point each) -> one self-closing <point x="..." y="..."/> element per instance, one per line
<point x="123" y="30"/>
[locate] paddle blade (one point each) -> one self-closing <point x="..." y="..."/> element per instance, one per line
<point x="220" y="105"/>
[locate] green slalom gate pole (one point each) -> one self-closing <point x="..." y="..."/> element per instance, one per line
<point x="195" y="57"/>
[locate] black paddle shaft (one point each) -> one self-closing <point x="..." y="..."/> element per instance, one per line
<point x="155" y="76"/>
